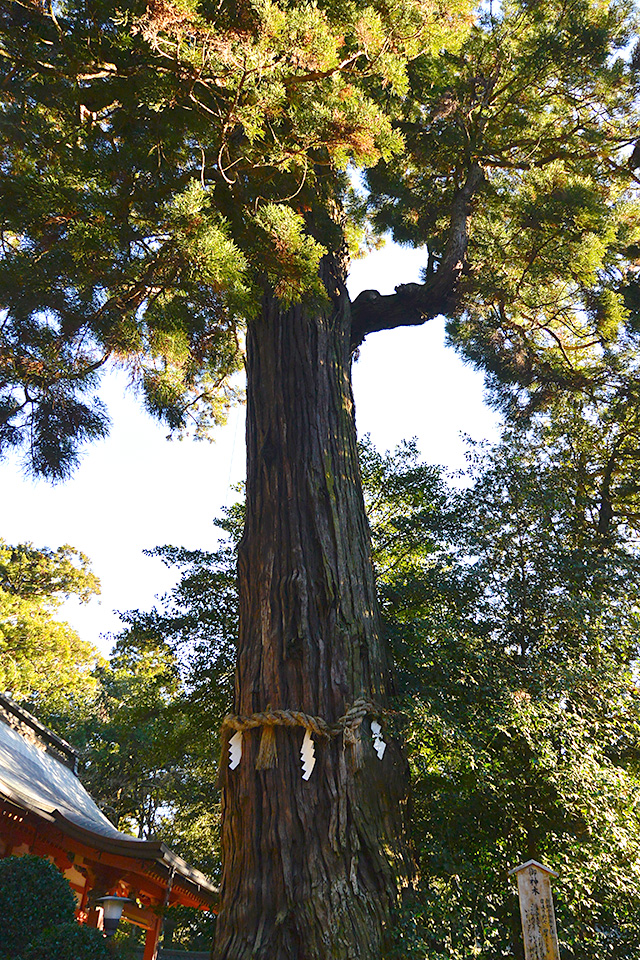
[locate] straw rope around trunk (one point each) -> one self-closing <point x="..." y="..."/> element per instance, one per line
<point x="269" y="719"/>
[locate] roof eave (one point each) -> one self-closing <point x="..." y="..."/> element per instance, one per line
<point x="149" y="850"/>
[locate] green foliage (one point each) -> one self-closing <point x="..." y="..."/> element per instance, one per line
<point x="33" y="896"/>
<point x="188" y="929"/>
<point x="129" y="750"/>
<point x="153" y="251"/>
<point x="68" y="941"/>
<point x="542" y="100"/>
<point x="155" y="180"/>
<point x="51" y="574"/>
<point x="515" y="631"/>
<point x="291" y="259"/>
<point x="43" y="660"/>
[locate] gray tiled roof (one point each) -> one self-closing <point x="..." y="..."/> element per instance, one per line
<point x="46" y="784"/>
<point x="41" y="783"/>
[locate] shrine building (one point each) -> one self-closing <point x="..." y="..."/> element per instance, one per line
<point x="46" y="811"/>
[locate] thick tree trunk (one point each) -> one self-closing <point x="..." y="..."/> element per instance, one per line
<point x="311" y="867"/>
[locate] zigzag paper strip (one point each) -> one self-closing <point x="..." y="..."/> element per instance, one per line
<point x="235" y="750"/>
<point x="307" y="755"/>
<point x="378" y="743"/>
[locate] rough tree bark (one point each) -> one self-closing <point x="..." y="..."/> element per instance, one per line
<point x="311" y="867"/>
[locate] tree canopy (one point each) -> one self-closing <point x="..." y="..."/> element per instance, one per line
<point x="152" y="747"/>
<point x="162" y="162"/>
<point x="158" y="161"/>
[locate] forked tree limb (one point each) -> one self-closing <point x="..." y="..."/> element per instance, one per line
<point x="414" y="303"/>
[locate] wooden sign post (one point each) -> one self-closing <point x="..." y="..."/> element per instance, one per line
<point x="536" y="910"/>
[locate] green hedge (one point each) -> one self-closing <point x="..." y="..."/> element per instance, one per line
<point x="33" y="896"/>
<point x="68" y="941"/>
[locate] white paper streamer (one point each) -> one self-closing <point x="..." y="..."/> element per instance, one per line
<point x="307" y="755"/>
<point x="235" y="750"/>
<point x="378" y="743"/>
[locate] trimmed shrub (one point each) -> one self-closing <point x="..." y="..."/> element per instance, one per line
<point x="68" y="941"/>
<point x="33" y="895"/>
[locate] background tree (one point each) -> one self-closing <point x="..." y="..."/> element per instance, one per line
<point x="228" y="206"/>
<point x="42" y="659"/>
<point x="514" y="620"/>
<point x="152" y="750"/>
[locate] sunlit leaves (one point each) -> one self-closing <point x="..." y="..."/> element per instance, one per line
<point x="290" y="257"/>
<point x="43" y="660"/>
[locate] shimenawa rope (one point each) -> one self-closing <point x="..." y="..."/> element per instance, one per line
<point x="269" y="719"/>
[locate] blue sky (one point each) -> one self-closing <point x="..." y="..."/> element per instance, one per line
<point x="136" y="489"/>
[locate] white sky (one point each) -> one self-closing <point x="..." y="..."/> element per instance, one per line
<point x="136" y="490"/>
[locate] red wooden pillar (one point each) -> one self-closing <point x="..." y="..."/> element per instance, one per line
<point x="94" y="918"/>
<point x="152" y="939"/>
